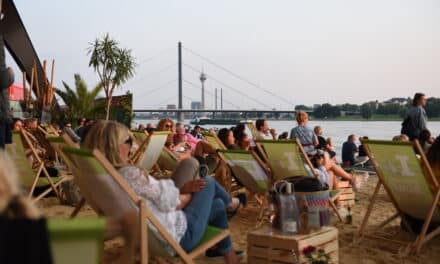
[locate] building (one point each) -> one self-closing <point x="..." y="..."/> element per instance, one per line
<point x="171" y="107"/>
<point x="196" y="105"/>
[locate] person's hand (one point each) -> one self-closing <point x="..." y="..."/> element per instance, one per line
<point x="193" y="186"/>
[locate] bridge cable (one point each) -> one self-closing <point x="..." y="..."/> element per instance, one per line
<point x="228" y="86"/>
<point x="237" y="76"/>
<point x="210" y="93"/>
<point x="155" y="73"/>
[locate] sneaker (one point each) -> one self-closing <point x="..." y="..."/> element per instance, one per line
<point x="215" y="253"/>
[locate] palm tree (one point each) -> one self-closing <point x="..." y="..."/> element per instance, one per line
<point x="80" y="102"/>
<point x="113" y="64"/>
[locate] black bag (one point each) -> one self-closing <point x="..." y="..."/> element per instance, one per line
<point x="305" y="184"/>
<point x="407" y="128"/>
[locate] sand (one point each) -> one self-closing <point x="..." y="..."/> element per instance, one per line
<point x="351" y="249"/>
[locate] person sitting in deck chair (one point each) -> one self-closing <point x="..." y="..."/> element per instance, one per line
<point x="186" y="212"/>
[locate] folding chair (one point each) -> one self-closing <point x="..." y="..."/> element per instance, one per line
<point x="115" y="196"/>
<point x="150" y="150"/>
<point x="140" y="136"/>
<point x="167" y="160"/>
<point x="287" y="158"/>
<point x="28" y="176"/>
<point x="76" y="240"/>
<point x="213" y="139"/>
<point x="410" y="184"/>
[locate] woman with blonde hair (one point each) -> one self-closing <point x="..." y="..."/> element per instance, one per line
<point x="185" y="214"/>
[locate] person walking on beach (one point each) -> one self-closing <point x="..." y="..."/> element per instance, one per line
<point x="416" y="119"/>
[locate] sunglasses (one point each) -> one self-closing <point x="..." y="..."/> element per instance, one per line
<point x="129" y="141"/>
<point x="168" y="126"/>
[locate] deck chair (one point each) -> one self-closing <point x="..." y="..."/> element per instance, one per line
<point x="213" y="139"/>
<point x="77" y="240"/>
<point x="287" y="158"/>
<point x="150" y="150"/>
<point x="115" y="197"/>
<point x="411" y="185"/>
<point x="252" y="129"/>
<point x="140" y="136"/>
<point x="167" y="160"/>
<point x="248" y="169"/>
<point x="29" y="177"/>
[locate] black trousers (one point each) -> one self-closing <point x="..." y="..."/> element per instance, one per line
<point x="5" y="134"/>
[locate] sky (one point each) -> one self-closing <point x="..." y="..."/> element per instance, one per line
<point x="281" y="52"/>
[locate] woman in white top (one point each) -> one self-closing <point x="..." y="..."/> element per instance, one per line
<point x="185" y="216"/>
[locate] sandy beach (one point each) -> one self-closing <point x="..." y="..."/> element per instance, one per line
<point x="351" y="249"/>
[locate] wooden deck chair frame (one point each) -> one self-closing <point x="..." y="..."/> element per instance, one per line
<point x="250" y="184"/>
<point x="146" y="214"/>
<point x="434" y="186"/>
<point x="171" y="156"/>
<point x="40" y="136"/>
<point x="213" y="139"/>
<point x="252" y="129"/>
<point x="300" y="151"/>
<point x="140" y="153"/>
<point x="24" y="139"/>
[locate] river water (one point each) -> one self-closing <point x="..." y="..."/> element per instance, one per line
<point x="339" y="130"/>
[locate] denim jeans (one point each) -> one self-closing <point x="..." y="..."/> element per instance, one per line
<point x="207" y="206"/>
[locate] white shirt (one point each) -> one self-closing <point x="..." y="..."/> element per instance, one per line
<point x="162" y="198"/>
<point x="265" y="136"/>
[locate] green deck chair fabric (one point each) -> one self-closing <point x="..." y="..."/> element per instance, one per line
<point x="139" y="136"/>
<point x="167" y="161"/>
<point x="27" y="175"/>
<point x="77" y="240"/>
<point x="153" y="149"/>
<point x="213" y="140"/>
<point x="112" y="200"/>
<point x="247" y="169"/>
<point x="284" y="158"/>
<point x="404" y="177"/>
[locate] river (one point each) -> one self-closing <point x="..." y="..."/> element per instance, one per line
<point x="339" y="130"/>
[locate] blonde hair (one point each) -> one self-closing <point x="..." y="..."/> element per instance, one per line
<point x="12" y="202"/>
<point x="106" y="136"/>
<point x="402" y="138"/>
<point x="301" y="117"/>
<point x="162" y="122"/>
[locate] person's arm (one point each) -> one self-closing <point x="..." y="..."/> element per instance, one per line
<point x="422" y="119"/>
<point x="162" y="193"/>
<point x="184" y="200"/>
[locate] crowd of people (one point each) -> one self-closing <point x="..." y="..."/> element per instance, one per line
<point x="190" y="200"/>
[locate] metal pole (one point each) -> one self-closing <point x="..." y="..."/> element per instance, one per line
<point x="221" y="98"/>
<point x="215" y="98"/>
<point x="180" y="105"/>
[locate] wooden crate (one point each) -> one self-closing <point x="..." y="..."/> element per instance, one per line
<point x="268" y="245"/>
<point x="347" y="196"/>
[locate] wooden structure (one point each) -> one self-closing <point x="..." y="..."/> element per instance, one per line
<point x="267" y="245"/>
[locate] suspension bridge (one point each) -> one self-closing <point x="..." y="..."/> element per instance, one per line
<point x="247" y="91"/>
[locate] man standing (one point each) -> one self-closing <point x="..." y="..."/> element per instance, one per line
<point x="416" y="119"/>
<point x="6" y="79"/>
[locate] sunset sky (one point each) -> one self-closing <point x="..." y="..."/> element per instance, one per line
<point x="305" y="52"/>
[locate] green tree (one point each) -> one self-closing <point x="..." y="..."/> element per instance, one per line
<point x="302" y="107"/>
<point x="367" y="110"/>
<point x="79" y="102"/>
<point x="113" y="64"/>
